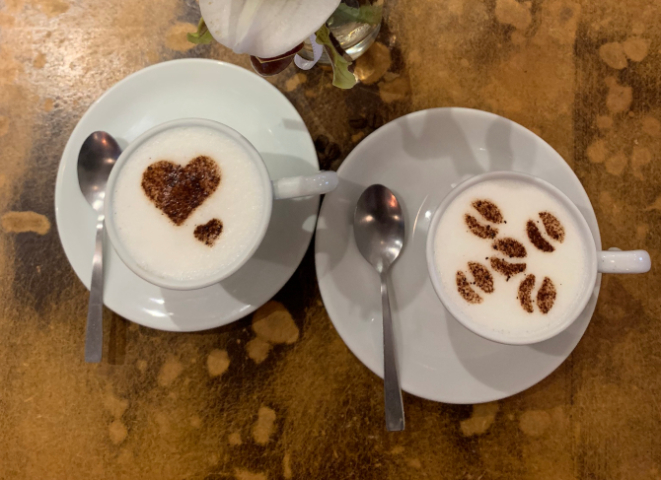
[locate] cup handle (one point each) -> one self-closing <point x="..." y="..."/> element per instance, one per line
<point x="292" y="187"/>
<point x="617" y="261"/>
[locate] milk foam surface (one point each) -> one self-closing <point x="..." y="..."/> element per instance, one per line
<point x="173" y="252"/>
<point x="519" y="201"/>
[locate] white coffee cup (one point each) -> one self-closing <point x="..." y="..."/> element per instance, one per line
<point x="612" y="261"/>
<point x="284" y="188"/>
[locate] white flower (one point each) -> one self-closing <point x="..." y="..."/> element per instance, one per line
<point x="265" y="28"/>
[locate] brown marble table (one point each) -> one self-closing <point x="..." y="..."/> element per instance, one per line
<point x="278" y="395"/>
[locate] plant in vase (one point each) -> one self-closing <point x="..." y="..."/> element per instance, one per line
<point x="276" y="33"/>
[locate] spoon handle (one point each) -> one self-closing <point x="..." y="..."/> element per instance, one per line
<point x="393" y="394"/>
<point x="94" y="333"/>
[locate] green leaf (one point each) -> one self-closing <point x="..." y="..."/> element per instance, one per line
<point x="202" y="36"/>
<point x="370" y="14"/>
<point x="342" y="77"/>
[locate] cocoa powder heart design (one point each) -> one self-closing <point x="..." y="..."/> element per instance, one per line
<point x="177" y="191"/>
<point x="209" y="232"/>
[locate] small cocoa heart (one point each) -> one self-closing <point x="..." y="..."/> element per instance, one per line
<point x="177" y="191"/>
<point x="209" y="232"/>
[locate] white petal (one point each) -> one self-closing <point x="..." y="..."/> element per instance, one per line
<point x="265" y="28"/>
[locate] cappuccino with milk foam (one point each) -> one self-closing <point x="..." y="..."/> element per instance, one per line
<point x="188" y="203"/>
<point x="510" y="257"/>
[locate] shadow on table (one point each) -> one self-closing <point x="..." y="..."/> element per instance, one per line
<point x="117" y="339"/>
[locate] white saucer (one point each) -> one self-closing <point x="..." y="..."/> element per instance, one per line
<point x="420" y="157"/>
<point x="204" y="89"/>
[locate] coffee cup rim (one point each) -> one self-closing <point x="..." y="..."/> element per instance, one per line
<point x="486" y="332"/>
<point x="114" y="237"/>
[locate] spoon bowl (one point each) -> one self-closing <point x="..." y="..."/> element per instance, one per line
<point x="379" y="227"/>
<point x="97" y="156"/>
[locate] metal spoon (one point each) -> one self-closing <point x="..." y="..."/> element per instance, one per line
<point x="95" y="161"/>
<point x="378" y="225"/>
